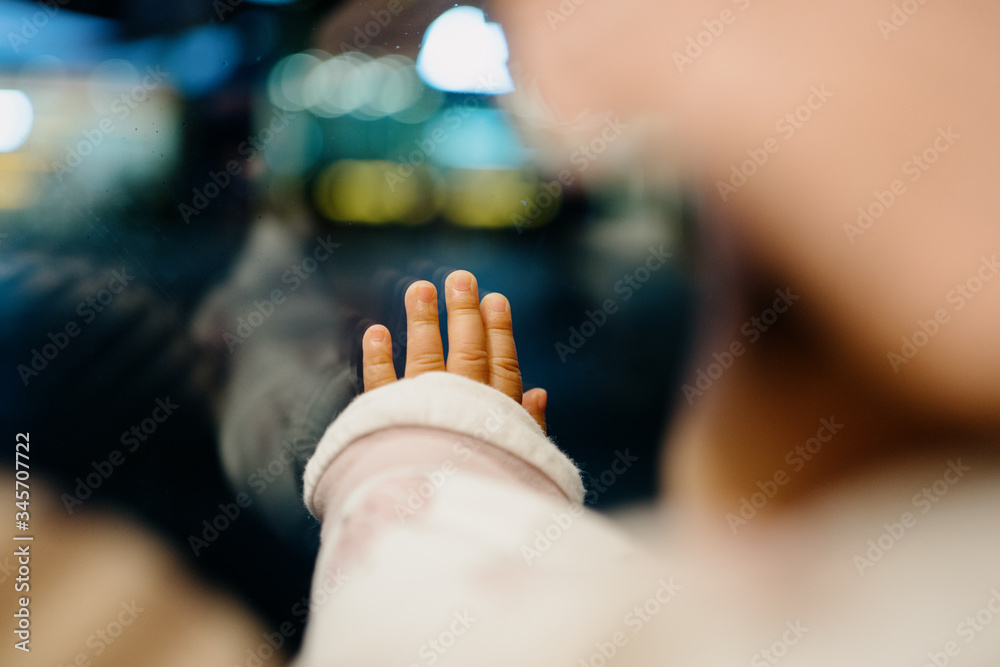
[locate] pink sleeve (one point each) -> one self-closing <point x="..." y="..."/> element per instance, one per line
<point x="492" y="431"/>
<point x="430" y="491"/>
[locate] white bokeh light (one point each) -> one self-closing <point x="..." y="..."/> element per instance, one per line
<point x="16" y="118"/>
<point x="462" y="53"/>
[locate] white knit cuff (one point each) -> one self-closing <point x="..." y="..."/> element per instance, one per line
<point x="449" y="402"/>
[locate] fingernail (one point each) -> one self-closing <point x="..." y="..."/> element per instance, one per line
<point x="462" y="281"/>
<point x="378" y="334"/>
<point x="425" y="293"/>
<point x="498" y="303"/>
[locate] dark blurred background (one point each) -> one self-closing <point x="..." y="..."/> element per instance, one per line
<point x="152" y="139"/>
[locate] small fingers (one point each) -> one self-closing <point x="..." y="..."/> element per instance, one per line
<point x="504" y="371"/>
<point x="467" y="353"/>
<point x="535" y="401"/>
<point x="376" y="347"/>
<point x="424" y="352"/>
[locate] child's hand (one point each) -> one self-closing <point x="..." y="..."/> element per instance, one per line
<point x="480" y="336"/>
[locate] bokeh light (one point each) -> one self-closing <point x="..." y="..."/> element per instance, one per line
<point x="352" y="83"/>
<point x="286" y="82"/>
<point x="359" y="191"/>
<point x="462" y="53"/>
<point x="16" y="119"/>
<point x="497" y="198"/>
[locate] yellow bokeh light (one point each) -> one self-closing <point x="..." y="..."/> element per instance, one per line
<point x="375" y="192"/>
<point x="498" y="198"/>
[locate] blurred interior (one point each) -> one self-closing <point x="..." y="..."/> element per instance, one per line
<point x="156" y="136"/>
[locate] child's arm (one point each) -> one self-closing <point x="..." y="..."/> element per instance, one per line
<point x="431" y="490"/>
<point x="452" y="398"/>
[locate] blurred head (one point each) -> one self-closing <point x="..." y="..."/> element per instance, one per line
<point x="845" y="149"/>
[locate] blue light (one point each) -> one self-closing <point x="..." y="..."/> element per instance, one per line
<point x="203" y="58"/>
<point x="475" y="139"/>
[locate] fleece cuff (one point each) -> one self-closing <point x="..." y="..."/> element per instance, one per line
<point x="453" y="403"/>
